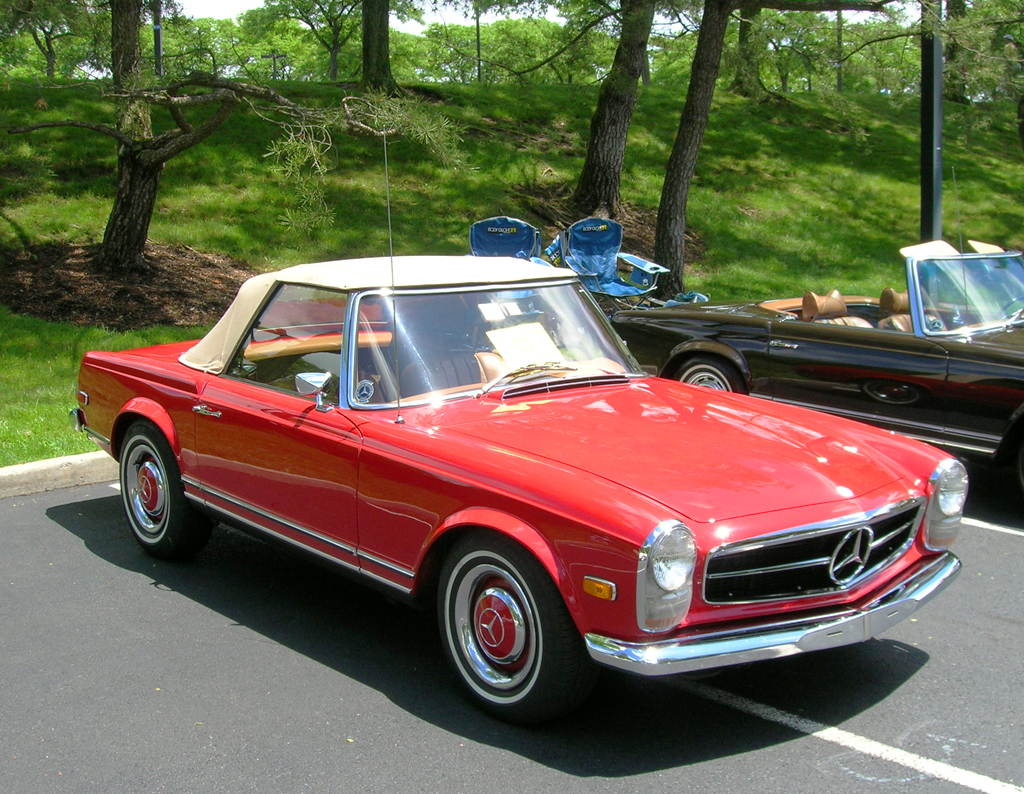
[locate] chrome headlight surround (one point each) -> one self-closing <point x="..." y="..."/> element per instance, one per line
<point x="945" y="505"/>
<point x="664" y="577"/>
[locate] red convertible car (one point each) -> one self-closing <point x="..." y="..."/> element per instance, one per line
<point x="469" y="432"/>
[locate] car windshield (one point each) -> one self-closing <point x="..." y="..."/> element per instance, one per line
<point x="432" y="345"/>
<point x="971" y="291"/>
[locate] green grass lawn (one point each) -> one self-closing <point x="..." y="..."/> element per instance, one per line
<point x="807" y="193"/>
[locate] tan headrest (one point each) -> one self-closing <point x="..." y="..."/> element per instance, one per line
<point x="893" y="302"/>
<point x="815" y="306"/>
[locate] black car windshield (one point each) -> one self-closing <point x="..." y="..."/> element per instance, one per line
<point x="433" y="345"/>
<point x="971" y="291"/>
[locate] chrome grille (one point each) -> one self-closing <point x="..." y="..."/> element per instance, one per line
<point x="812" y="560"/>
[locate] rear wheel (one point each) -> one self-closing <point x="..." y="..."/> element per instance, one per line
<point x="508" y="633"/>
<point x="712" y="373"/>
<point x="161" y="518"/>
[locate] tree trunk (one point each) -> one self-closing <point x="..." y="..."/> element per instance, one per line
<point x="126" y="65"/>
<point x="597" y="192"/>
<point x="124" y="239"/>
<point x="332" y="72"/>
<point x="1020" y="121"/>
<point x="747" y="80"/>
<point x="376" y="49"/>
<point x="45" y="46"/>
<point x="669" y="236"/>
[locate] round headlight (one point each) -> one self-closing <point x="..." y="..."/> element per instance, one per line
<point x="673" y="559"/>
<point x="951" y="489"/>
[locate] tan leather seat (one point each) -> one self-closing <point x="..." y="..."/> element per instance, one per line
<point x="452" y="371"/>
<point x="830" y="309"/>
<point x="894" y="311"/>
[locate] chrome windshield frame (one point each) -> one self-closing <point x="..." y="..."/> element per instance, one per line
<point x="351" y="375"/>
<point x="917" y="294"/>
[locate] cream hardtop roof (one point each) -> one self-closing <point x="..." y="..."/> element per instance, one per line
<point x="212" y="352"/>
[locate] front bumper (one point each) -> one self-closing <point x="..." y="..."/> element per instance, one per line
<point x="782" y="638"/>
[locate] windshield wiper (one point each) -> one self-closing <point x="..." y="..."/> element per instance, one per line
<point x="526" y="371"/>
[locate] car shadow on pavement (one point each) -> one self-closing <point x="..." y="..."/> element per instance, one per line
<point x="630" y="725"/>
<point x="995" y="496"/>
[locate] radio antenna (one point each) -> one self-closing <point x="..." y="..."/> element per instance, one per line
<point x="399" y="420"/>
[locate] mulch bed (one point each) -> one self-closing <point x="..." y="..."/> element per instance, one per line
<point x="63" y="283"/>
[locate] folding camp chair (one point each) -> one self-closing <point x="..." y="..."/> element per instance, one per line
<point x="504" y="236"/>
<point x="591" y="248"/>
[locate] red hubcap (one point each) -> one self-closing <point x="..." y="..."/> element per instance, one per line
<point x="498" y="625"/>
<point x="149" y="487"/>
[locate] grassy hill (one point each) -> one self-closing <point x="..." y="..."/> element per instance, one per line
<point x="790" y="195"/>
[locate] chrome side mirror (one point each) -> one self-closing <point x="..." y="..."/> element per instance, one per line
<point x="307" y="383"/>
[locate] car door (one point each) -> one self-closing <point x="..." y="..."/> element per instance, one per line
<point x="266" y="454"/>
<point x="986" y="388"/>
<point x="888" y="378"/>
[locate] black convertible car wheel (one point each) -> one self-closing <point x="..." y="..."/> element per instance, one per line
<point x="712" y="373"/>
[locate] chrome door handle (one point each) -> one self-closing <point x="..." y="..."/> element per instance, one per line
<point x="204" y="410"/>
<point x="786" y="345"/>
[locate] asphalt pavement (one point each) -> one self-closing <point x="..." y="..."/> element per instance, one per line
<point x="255" y="669"/>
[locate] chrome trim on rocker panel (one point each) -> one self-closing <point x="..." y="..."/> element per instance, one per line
<point x="97" y="438"/>
<point x="344" y="547"/>
<point x="385" y="564"/>
<point x="781" y="637"/>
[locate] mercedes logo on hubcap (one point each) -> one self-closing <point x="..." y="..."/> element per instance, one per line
<point x="499" y="625"/>
<point x="851" y="555"/>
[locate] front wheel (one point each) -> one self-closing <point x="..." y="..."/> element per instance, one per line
<point x="508" y="634"/>
<point x="712" y="373"/>
<point x="160" y="517"/>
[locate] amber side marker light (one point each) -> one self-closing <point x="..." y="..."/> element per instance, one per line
<point x="599" y="588"/>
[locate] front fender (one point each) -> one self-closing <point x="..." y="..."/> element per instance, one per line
<point x="694" y="347"/>
<point x="516" y="529"/>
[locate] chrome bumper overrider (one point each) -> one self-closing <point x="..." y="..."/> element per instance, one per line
<point x="784" y="638"/>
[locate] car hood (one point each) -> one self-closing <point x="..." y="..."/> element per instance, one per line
<point x="1009" y="339"/>
<point x="707" y="455"/>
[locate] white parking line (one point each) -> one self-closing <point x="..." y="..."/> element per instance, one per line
<point x="973" y="522"/>
<point x="852" y="741"/>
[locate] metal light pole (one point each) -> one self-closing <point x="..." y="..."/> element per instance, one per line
<point x="931" y="122"/>
<point x="158" y="37"/>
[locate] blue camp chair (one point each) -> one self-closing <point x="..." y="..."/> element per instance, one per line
<point x="591" y="248"/>
<point x="504" y="236"/>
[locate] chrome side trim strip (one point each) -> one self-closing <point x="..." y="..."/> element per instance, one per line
<point x="345" y="547"/>
<point x="312" y="533"/>
<point x="780" y="638"/>
<point x="385" y="564"/>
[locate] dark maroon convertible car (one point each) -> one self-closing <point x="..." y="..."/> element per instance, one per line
<point x="940" y="358"/>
